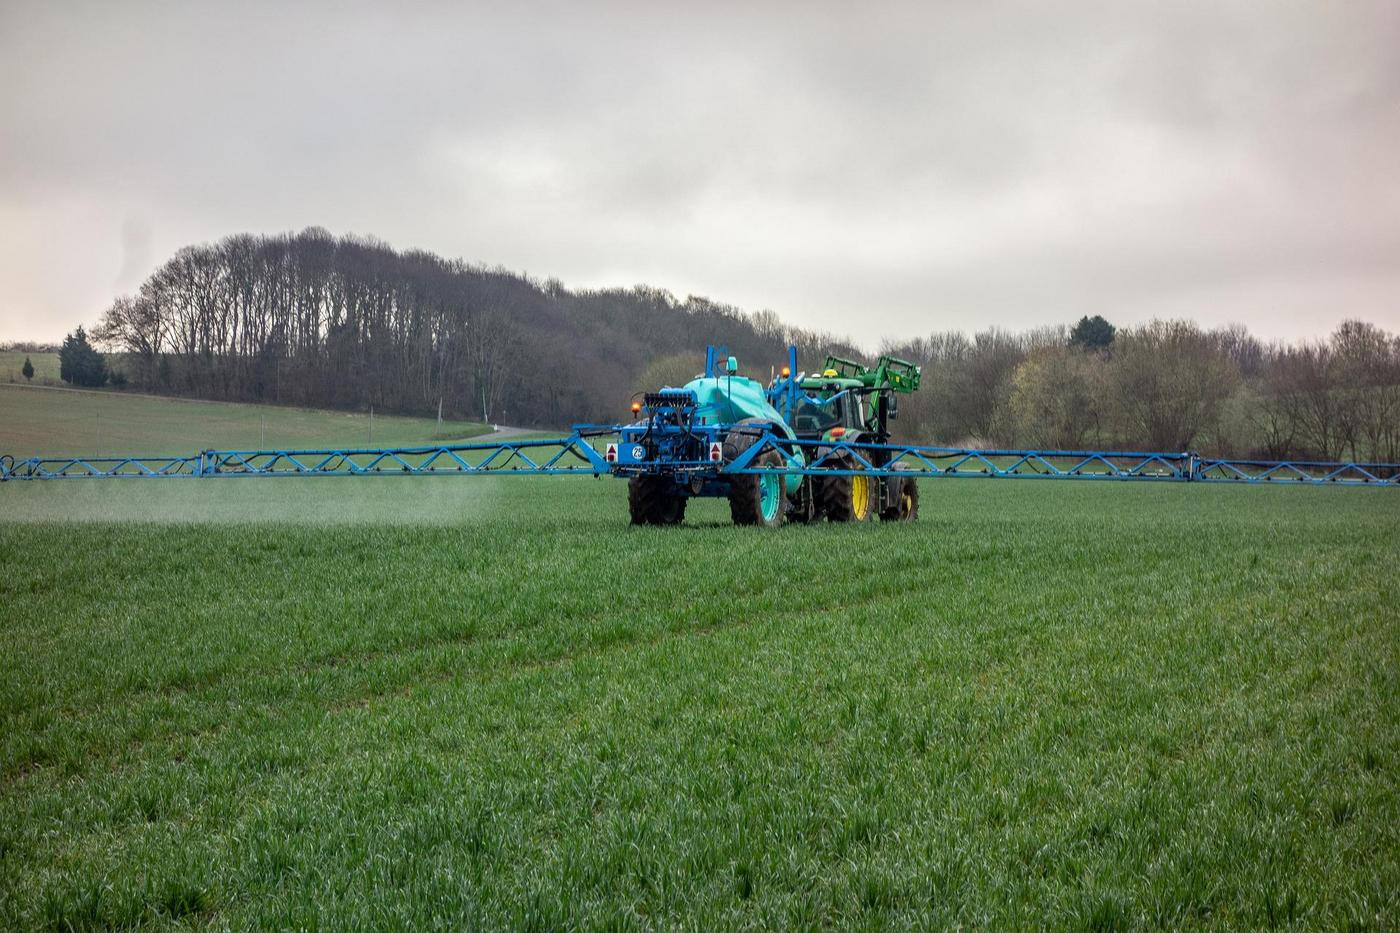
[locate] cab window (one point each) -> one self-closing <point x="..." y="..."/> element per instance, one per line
<point x="811" y="418"/>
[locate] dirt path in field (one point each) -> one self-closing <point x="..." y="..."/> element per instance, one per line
<point x="501" y="432"/>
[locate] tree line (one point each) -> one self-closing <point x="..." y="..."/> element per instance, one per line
<point x="1165" y="385"/>
<point x="348" y="322"/>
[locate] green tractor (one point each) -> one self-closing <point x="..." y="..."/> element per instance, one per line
<point x="854" y="404"/>
<point x="804" y="447"/>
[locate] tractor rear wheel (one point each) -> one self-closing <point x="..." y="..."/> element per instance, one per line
<point x="904" y="493"/>
<point x="852" y="498"/>
<point x="652" y="500"/>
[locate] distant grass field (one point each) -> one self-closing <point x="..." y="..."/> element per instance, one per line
<point x="46" y="421"/>
<point x="395" y="702"/>
<point x="45" y="367"/>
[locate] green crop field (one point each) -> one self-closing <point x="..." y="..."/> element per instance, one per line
<point x="485" y="702"/>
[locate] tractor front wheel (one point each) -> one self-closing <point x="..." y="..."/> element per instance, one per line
<point x="652" y="500"/>
<point x="904" y="500"/>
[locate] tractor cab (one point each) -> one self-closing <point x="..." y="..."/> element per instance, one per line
<point x="827" y="403"/>
<point x="848" y="399"/>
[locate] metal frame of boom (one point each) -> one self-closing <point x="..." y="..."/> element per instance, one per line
<point x="577" y="455"/>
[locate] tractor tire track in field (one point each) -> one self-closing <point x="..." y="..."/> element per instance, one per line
<point x="419" y="663"/>
<point x="186" y="747"/>
<point x="226" y="687"/>
<point x="355" y="668"/>
<point x="229" y="686"/>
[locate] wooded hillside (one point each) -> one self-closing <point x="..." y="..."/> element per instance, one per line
<point x="315" y="320"/>
<point x="349" y="322"/>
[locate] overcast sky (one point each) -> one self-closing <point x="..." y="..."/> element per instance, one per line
<point x="869" y="169"/>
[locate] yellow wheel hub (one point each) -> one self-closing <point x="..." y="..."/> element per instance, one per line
<point x="860" y="497"/>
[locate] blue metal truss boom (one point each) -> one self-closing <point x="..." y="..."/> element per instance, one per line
<point x="525" y="457"/>
<point x="578" y="454"/>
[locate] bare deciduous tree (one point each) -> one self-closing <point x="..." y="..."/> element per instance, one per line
<point x="1169" y="379"/>
<point x="1057" y="398"/>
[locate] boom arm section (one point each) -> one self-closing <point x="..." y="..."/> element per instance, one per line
<point x="578" y="454"/>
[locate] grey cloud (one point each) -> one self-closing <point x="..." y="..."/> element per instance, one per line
<point x="137" y="256"/>
<point x="918" y="166"/>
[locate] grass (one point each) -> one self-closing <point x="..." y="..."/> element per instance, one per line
<point x="45" y="367"/>
<point x="489" y="702"/>
<point x="47" y="421"/>
<point x="379" y="702"/>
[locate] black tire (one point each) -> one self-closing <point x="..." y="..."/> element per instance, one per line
<point x="746" y="490"/>
<point x="652" y="500"/>
<point x="746" y="495"/>
<point x="905" y="492"/>
<point x="837" y="495"/>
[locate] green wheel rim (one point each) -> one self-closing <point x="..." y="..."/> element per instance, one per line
<point x="769" y="496"/>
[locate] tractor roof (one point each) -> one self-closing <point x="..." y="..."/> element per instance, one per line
<point x="818" y="381"/>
